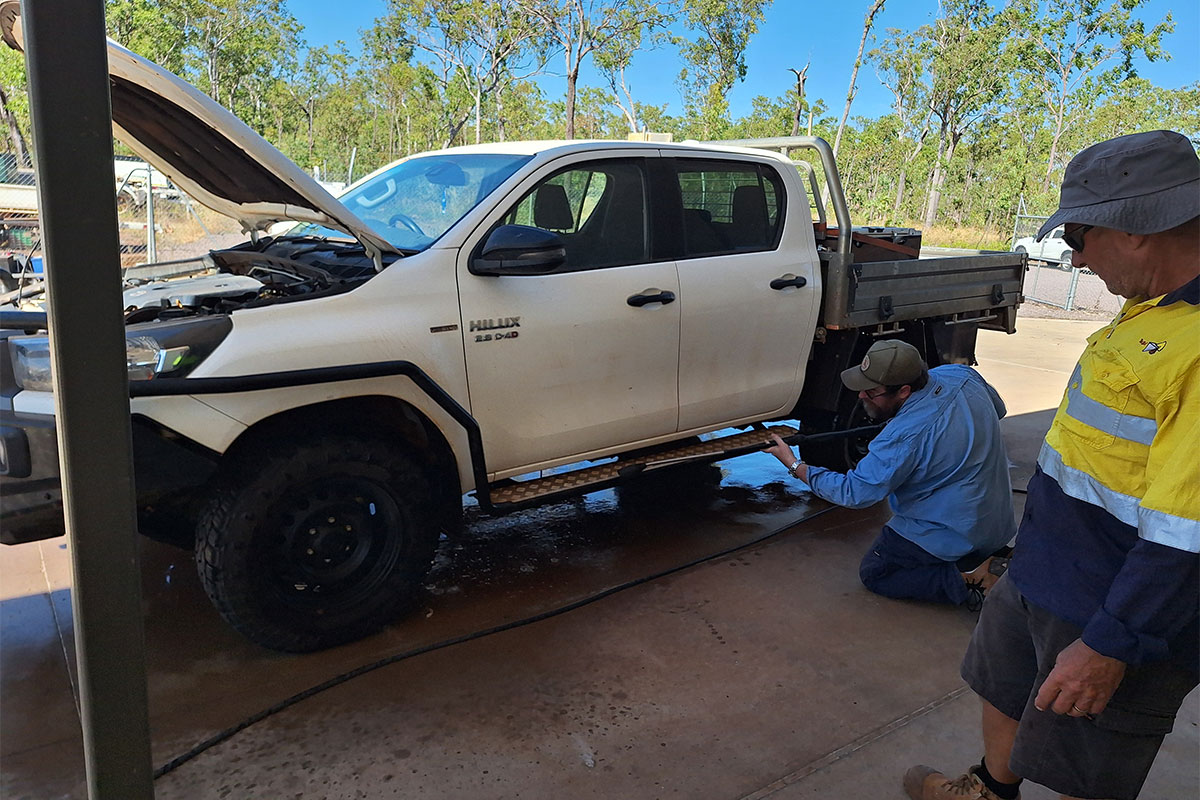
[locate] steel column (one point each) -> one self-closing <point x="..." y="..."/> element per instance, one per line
<point x="69" y="102"/>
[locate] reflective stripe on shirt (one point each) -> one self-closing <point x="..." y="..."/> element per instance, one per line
<point x="1169" y="530"/>
<point x="1154" y="526"/>
<point x="1099" y="416"/>
<point x="1082" y="486"/>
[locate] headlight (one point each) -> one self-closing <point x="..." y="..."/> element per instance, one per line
<point x="31" y="362"/>
<point x="170" y="349"/>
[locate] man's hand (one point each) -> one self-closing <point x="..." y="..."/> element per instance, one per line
<point x="1081" y="683"/>
<point x="782" y="451"/>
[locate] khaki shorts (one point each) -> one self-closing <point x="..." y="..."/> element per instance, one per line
<point x="1013" y="650"/>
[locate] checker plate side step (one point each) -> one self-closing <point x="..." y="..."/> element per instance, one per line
<point x="510" y="495"/>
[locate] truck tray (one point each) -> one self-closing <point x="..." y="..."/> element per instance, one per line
<point x="860" y="294"/>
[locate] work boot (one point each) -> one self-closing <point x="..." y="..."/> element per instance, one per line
<point x="926" y="783"/>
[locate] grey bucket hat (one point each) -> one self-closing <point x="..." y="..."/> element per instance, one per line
<point x="1141" y="183"/>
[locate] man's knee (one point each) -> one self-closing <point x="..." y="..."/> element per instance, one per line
<point x="873" y="569"/>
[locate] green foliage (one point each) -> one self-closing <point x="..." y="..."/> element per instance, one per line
<point x="990" y="102"/>
<point x="716" y="58"/>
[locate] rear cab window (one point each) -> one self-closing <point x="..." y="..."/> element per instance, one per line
<point x="728" y="206"/>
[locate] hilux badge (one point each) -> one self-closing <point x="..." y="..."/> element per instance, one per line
<point x="494" y="324"/>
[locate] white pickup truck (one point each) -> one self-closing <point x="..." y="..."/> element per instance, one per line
<point x="316" y="404"/>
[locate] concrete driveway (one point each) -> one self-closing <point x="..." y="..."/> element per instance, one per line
<point x="715" y="643"/>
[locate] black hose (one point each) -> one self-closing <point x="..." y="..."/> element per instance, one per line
<point x="337" y="680"/>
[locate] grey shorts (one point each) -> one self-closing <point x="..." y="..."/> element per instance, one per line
<point x="1012" y="651"/>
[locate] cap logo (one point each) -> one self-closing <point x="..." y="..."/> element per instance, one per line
<point x="866" y="365"/>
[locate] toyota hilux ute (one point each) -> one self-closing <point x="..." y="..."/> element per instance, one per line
<point x="519" y="322"/>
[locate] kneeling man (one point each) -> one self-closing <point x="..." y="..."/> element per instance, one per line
<point x="941" y="463"/>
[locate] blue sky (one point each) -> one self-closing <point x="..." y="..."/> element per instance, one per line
<point x="792" y="34"/>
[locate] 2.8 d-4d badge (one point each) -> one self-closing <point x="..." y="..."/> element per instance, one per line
<point x="504" y="324"/>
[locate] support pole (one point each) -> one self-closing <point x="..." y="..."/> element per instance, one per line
<point x="67" y="62"/>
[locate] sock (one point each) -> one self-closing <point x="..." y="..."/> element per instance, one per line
<point x="1005" y="791"/>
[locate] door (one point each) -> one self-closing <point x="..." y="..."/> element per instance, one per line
<point x="749" y="296"/>
<point x="584" y="358"/>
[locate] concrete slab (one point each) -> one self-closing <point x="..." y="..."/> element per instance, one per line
<point x="766" y="672"/>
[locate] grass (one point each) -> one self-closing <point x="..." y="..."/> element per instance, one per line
<point x="182" y="233"/>
<point x="967" y="238"/>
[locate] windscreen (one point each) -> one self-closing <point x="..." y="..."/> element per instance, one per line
<point x="414" y="202"/>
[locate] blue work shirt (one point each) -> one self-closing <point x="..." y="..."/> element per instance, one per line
<point x="942" y="465"/>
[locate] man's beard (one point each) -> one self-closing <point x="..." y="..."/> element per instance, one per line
<point x="878" y="414"/>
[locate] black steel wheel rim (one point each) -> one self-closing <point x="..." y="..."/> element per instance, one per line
<point x="330" y="544"/>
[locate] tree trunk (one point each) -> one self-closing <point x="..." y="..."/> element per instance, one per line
<point x="867" y="23"/>
<point x="899" y="192"/>
<point x="801" y="77"/>
<point x="837" y="140"/>
<point x="939" y="176"/>
<point x="1059" y="125"/>
<point x="572" y="79"/>
<point x="14" y="133"/>
<point x="499" y="116"/>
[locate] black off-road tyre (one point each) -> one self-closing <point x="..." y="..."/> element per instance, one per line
<point x="312" y="545"/>
<point x="845" y="454"/>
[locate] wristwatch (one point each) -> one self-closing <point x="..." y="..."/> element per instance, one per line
<point x="792" y="468"/>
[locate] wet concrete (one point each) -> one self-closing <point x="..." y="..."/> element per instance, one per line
<point x="768" y="671"/>
<point x="205" y="679"/>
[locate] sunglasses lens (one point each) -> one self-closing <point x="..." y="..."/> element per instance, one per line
<point x="1074" y="239"/>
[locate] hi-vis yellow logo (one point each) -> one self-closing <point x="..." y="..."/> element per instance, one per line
<point x="1152" y="347"/>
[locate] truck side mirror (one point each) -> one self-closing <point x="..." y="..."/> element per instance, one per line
<point x="519" y="250"/>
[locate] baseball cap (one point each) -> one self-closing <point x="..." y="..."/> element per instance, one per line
<point x="888" y="363"/>
<point x="1141" y="183"/>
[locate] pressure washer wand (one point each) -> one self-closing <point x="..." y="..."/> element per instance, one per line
<point x="630" y="470"/>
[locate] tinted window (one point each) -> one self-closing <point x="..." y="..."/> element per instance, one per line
<point x="728" y="207"/>
<point x="597" y="208"/>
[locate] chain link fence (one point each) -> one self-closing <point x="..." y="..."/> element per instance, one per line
<point x="161" y="232"/>
<point x="165" y="225"/>
<point x="1054" y="283"/>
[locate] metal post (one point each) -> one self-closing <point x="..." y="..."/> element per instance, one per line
<point x="69" y="103"/>
<point x="151" y="242"/>
<point x="1070" y="306"/>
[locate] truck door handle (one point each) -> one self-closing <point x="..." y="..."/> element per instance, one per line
<point x="785" y="281"/>
<point x="639" y="300"/>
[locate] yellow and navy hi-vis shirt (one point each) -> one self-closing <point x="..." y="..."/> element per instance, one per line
<point x="1110" y="540"/>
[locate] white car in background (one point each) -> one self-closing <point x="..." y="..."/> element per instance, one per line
<point x="1052" y="249"/>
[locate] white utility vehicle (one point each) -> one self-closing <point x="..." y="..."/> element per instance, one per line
<point x="1052" y="249"/>
<point x="315" y="405"/>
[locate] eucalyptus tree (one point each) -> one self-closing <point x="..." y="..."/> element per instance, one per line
<point x="900" y="65"/>
<point x="481" y="45"/>
<point x="968" y="64"/>
<point x="154" y="29"/>
<point x="716" y="59"/>
<point x="234" y="48"/>
<point x="580" y="29"/>
<point x="868" y="23"/>
<point x="14" y="104"/>
<point x="801" y="104"/>
<point x="313" y="83"/>
<point x="614" y="59"/>
<point x="1078" y="49"/>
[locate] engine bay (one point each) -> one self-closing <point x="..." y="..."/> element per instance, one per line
<point x="252" y="274"/>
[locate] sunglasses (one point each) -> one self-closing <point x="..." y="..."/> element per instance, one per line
<point x="1074" y="237"/>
